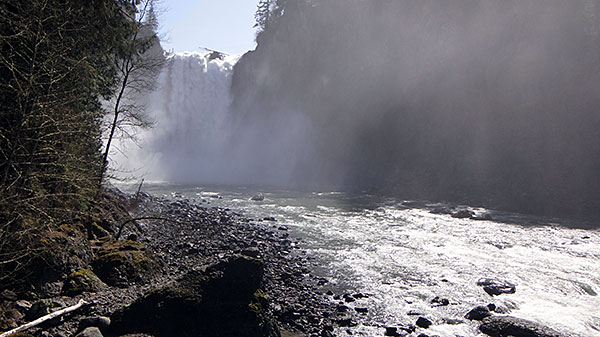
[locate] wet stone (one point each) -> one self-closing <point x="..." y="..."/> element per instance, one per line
<point x="391" y="331"/>
<point x="437" y="301"/>
<point x="423" y="322"/>
<point x="478" y="313"/>
<point x="496" y="287"/>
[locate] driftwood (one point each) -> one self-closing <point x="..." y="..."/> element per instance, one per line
<point x="45" y="318"/>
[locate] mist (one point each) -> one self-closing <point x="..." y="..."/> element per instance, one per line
<point x="491" y="102"/>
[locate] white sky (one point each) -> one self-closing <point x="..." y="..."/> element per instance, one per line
<point x="222" y="25"/>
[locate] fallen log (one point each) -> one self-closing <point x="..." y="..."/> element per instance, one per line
<point x="45" y="318"/>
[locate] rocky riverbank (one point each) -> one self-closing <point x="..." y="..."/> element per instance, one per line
<point x="184" y="269"/>
<point x="199" y="270"/>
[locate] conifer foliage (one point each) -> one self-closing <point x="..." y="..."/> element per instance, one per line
<point x="57" y="62"/>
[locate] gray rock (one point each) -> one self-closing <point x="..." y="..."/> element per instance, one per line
<point x="454" y="321"/>
<point x="391" y="331"/>
<point x="258" y="197"/>
<point x="51" y="289"/>
<point x="83" y="280"/>
<point x="496" y="287"/>
<point x="478" y="313"/>
<point x="462" y="214"/>
<point x="423" y="322"/>
<point x="251" y="252"/>
<point x="97" y="321"/>
<point x="23" y="305"/>
<point x="501" y="326"/>
<point x="90" y="332"/>
<point x="43" y="307"/>
<point x="8" y="295"/>
<point x="361" y="310"/>
<point x="437" y="301"/>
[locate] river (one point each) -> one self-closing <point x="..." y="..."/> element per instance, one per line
<point x="404" y="254"/>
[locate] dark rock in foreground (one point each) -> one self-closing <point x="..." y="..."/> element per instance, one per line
<point x="224" y="300"/>
<point x="503" y="326"/>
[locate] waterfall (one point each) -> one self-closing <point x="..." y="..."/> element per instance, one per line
<point x="190" y="110"/>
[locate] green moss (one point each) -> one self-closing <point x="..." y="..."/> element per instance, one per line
<point x="259" y="302"/>
<point x="83" y="280"/>
<point x="123" y="262"/>
<point x="98" y="231"/>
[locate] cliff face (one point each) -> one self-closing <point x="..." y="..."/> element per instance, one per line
<point x="486" y="102"/>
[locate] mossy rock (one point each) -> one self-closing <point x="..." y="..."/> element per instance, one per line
<point x="224" y="300"/>
<point x="57" y="252"/>
<point x="20" y="334"/>
<point x="98" y="230"/>
<point x="122" y="263"/>
<point x="83" y="280"/>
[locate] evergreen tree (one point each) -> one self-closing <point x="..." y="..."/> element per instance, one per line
<point x="55" y="64"/>
<point x="264" y="13"/>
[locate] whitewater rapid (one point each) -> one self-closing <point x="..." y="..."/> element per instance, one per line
<point x="404" y="257"/>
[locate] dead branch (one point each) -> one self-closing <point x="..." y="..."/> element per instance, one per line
<point x="122" y="226"/>
<point x="45" y="318"/>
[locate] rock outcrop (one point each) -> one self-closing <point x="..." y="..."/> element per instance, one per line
<point x="224" y="300"/>
<point x="123" y="263"/>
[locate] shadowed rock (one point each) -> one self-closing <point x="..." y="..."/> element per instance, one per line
<point x="502" y="326"/>
<point x="497" y="287"/>
<point x="224" y="300"/>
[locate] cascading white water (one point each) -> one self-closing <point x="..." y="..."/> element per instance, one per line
<point x="190" y="112"/>
<point x="404" y="257"/>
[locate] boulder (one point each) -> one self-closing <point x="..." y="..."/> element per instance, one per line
<point x="391" y="331"/>
<point x="496" y="287"/>
<point x="258" y="197"/>
<point x="123" y="263"/>
<point x="224" y="300"/>
<point x="462" y="214"/>
<point x="99" y="230"/>
<point x="478" y="313"/>
<point x="441" y="302"/>
<point x="423" y="322"/>
<point x="101" y="322"/>
<point x="81" y="281"/>
<point x="62" y="250"/>
<point x="43" y="308"/>
<point x="501" y="326"/>
<point x="90" y="332"/>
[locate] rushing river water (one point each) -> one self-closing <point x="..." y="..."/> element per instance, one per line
<point x="403" y="257"/>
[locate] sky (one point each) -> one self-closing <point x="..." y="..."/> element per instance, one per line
<point x="222" y="25"/>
